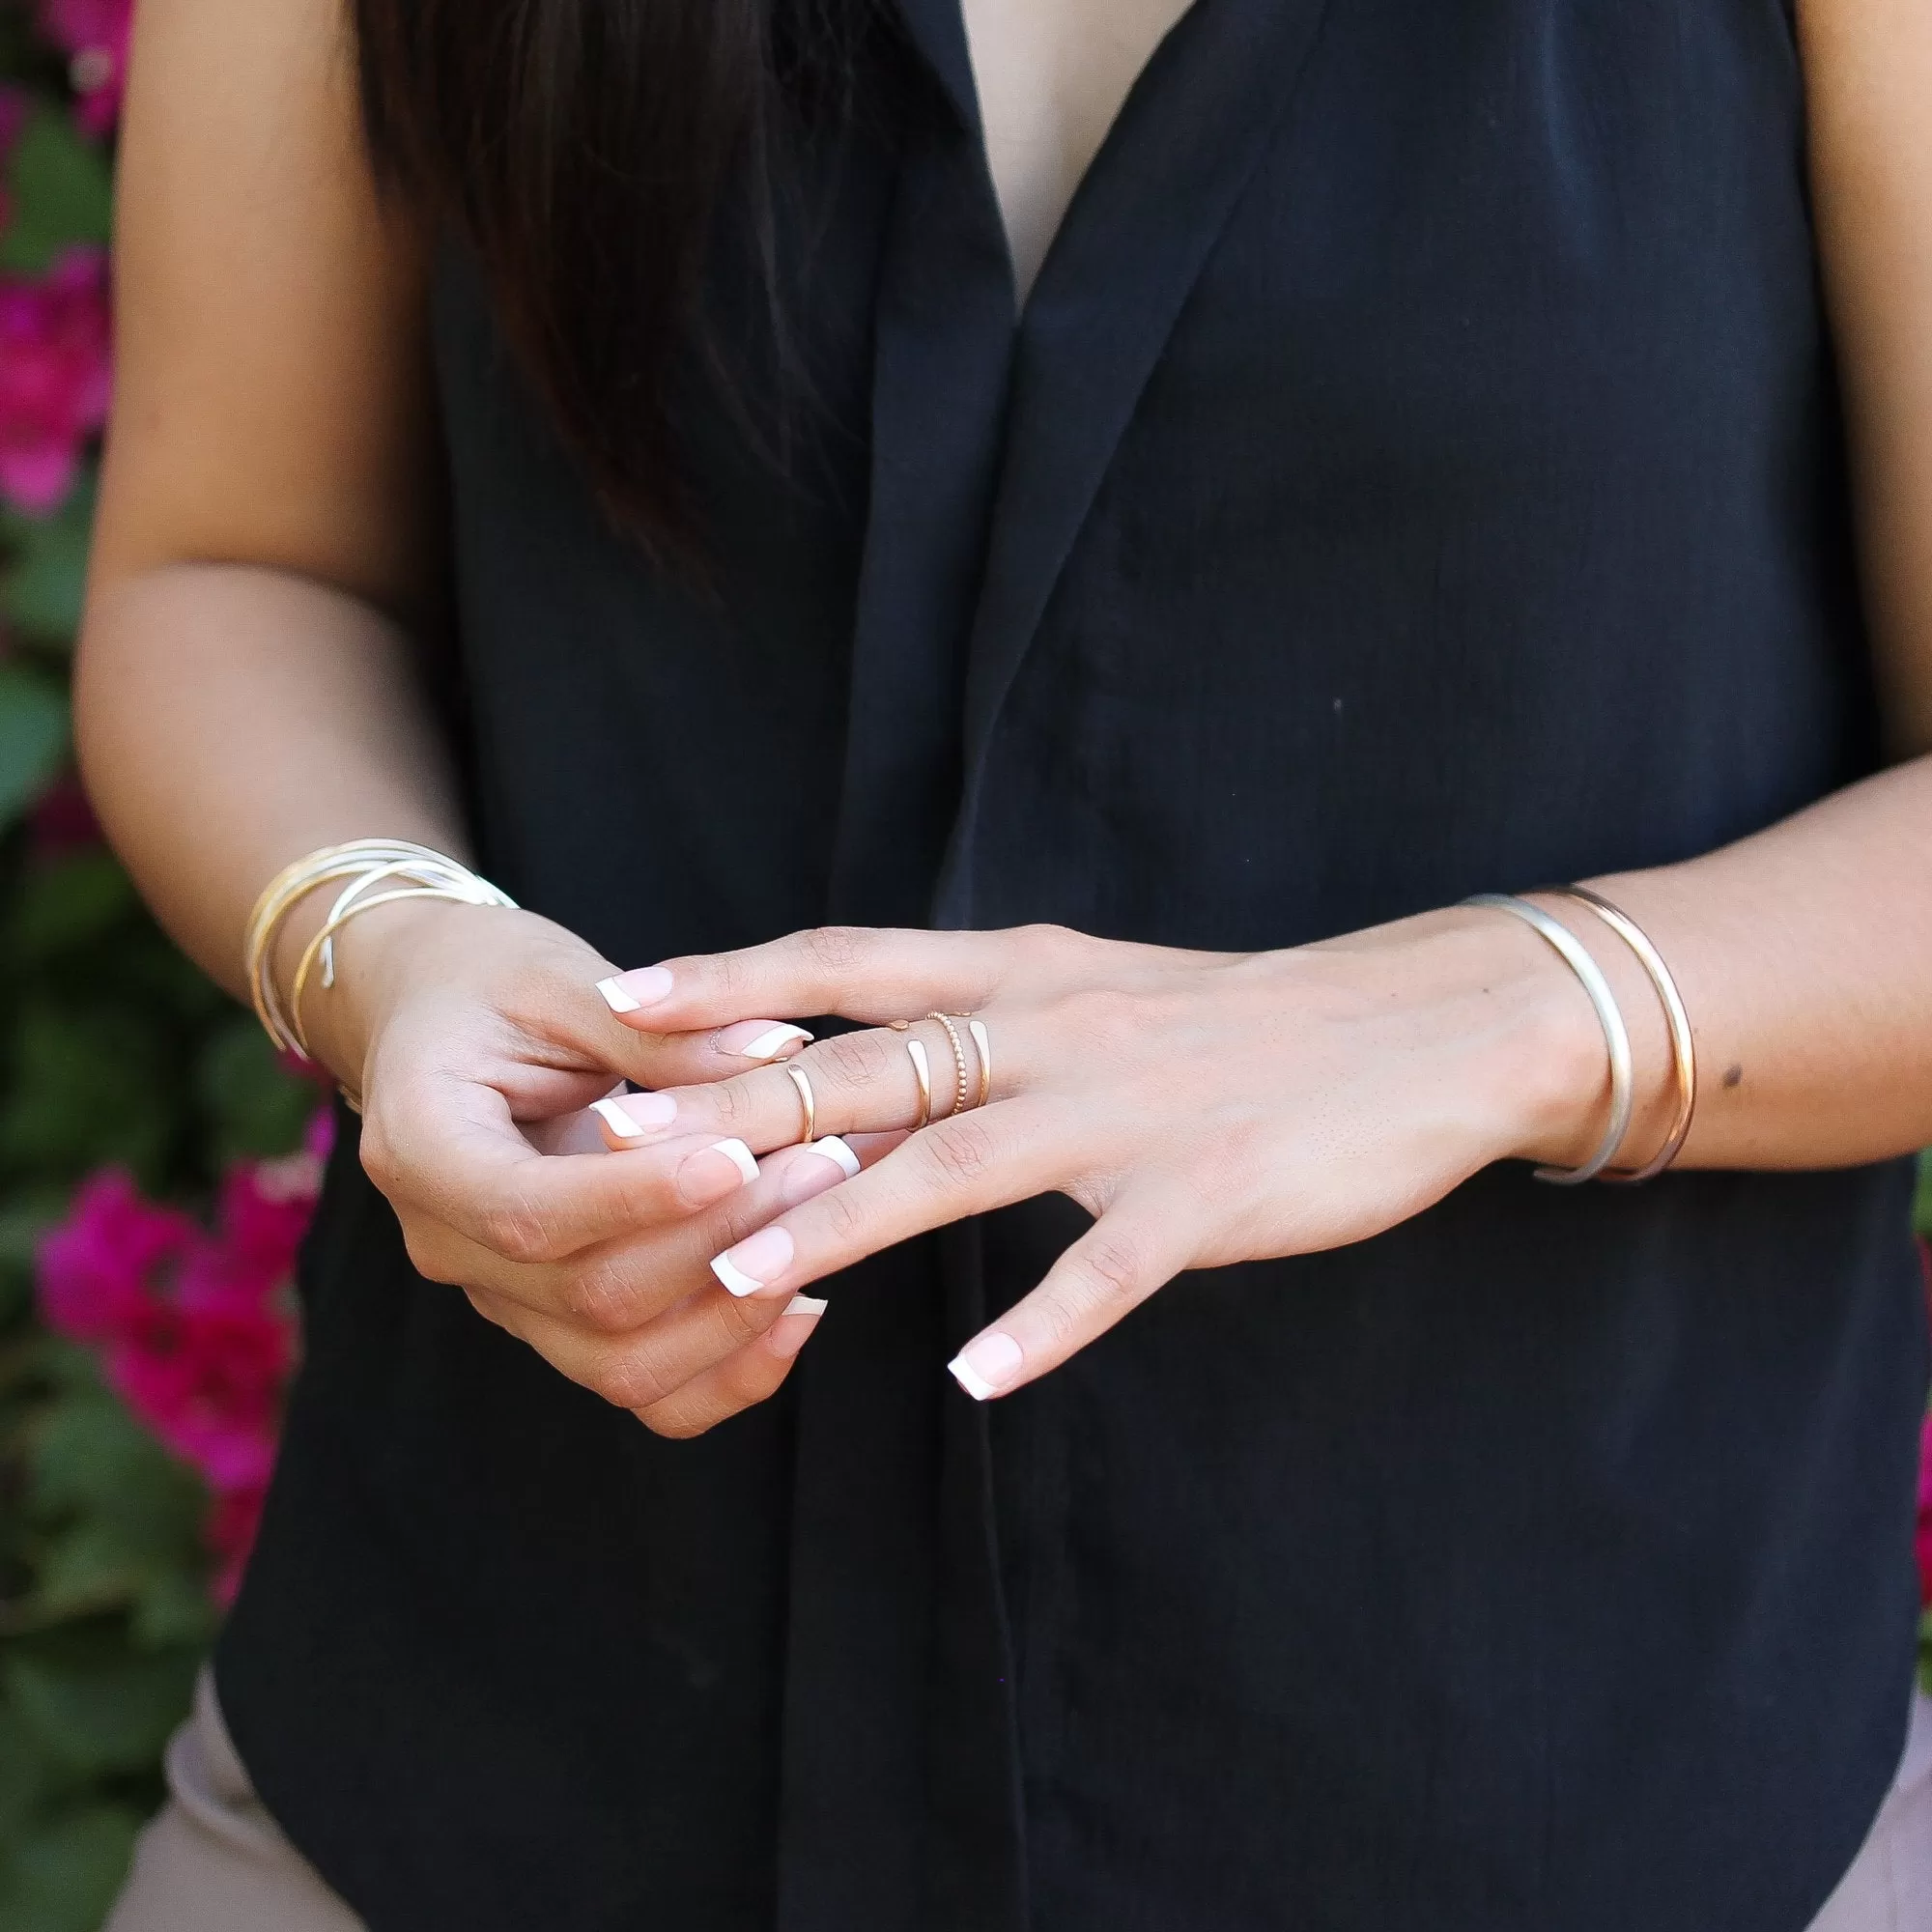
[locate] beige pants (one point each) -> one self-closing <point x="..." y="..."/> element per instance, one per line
<point x="214" y="1862"/>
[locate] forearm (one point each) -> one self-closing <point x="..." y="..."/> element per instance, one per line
<point x="1804" y="956"/>
<point x="230" y="720"/>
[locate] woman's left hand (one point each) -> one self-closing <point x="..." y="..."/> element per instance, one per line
<point x="1205" y="1108"/>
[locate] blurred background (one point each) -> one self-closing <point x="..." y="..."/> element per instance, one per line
<point x="156" y="1164"/>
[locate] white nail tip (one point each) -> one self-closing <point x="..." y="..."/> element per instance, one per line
<point x="617" y="1119"/>
<point x="836" y="1149"/>
<point x="617" y="999"/>
<point x="743" y="1159"/>
<point x="805" y="1305"/>
<point x="735" y="1278"/>
<point x="976" y="1385"/>
<point x="772" y="1042"/>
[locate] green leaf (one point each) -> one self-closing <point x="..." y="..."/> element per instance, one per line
<point x="67" y="1874"/>
<point x="44" y="587"/>
<point x="101" y="1712"/>
<point x="174" y="1608"/>
<point x="69" y="906"/>
<point x="33" y="738"/>
<point x="61" y="190"/>
<point x="90" y="1459"/>
<point x="257" y="1109"/>
<point x="89" y="1087"/>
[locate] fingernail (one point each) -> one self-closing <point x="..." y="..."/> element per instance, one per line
<point x="755" y="1262"/>
<point x="983" y="1368"/>
<point x="760" y="1039"/>
<point x="627" y="992"/>
<point x="837" y="1152"/>
<point x="702" y="1178"/>
<point x="633" y="1116"/>
<point x="787" y="1338"/>
<point x="802" y="1180"/>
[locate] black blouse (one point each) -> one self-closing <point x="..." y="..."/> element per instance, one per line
<point x="1417" y="471"/>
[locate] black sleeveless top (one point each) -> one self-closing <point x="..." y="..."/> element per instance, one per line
<point x="1417" y="471"/>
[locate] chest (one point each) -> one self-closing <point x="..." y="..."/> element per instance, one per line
<point x="1051" y="76"/>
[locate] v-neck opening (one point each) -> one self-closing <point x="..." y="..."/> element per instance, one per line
<point x="1013" y="215"/>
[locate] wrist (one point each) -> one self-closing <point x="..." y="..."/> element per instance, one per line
<point x="378" y="955"/>
<point x="1556" y="1062"/>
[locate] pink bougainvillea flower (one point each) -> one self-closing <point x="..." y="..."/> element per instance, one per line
<point x="94" y="35"/>
<point x="101" y="1264"/>
<point x="195" y="1328"/>
<point x="54" y="375"/>
<point x="229" y="1533"/>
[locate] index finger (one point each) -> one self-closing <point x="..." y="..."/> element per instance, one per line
<point x="864" y="973"/>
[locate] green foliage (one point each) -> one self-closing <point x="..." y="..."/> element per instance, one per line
<point x="62" y="193"/>
<point x="32" y="736"/>
<point x="112" y="1049"/>
<point x="41" y="593"/>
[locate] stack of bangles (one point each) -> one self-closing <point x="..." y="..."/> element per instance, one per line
<point x="378" y="872"/>
<point x="1616" y="1035"/>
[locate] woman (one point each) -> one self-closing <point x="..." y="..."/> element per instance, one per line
<point x="1415" y="468"/>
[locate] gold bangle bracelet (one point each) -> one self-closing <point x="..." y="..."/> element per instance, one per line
<point x="365" y="864"/>
<point x="1683" y="1047"/>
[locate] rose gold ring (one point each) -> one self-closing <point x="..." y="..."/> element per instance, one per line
<point x="958" y="1061"/>
<point x="798" y="1078"/>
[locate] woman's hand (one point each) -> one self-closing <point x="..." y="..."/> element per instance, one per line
<point x="478" y="1040"/>
<point x="1205" y="1108"/>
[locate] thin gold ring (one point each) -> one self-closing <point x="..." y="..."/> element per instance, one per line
<point x="797" y="1076"/>
<point x="916" y="1053"/>
<point x="977" y="1028"/>
<point x="958" y="1061"/>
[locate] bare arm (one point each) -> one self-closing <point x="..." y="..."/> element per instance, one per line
<point x="246" y="688"/>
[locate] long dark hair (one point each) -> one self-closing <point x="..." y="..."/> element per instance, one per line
<point x="581" y="149"/>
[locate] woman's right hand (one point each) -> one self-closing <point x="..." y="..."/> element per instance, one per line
<point x="479" y="1043"/>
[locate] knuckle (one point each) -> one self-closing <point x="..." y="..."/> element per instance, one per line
<point x="598" y="1297"/>
<point x="841" y="1215"/>
<point x="378" y="1154"/>
<point x="518" y="1232"/>
<point x="836" y="948"/>
<point x="1112" y="1267"/>
<point x="676" y="1422"/>
<point x="852" y="1059"/>
<point x="626" y="1379"/>
<point x="424" y="1244"/>
<point x="960" y="1152"/>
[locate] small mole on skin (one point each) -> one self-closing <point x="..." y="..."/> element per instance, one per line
<point x="1734" y="1076"/>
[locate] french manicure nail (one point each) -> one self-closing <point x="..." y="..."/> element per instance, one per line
<point x="770" y="1042"/>
<point x="755" y="1262"/>
<point x="739" y="1155"/>
<point x="628" y="992"/>
<point x="837" y="1152"/>
<point x="983" y="1368"/>
<point x="633" y="1116"/>
<point x="787" y="1338"/>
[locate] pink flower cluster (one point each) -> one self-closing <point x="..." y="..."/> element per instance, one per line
<point x="55" y="375"/>
<point x="195" y="1328"/>
<point x="94" y="35"/>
